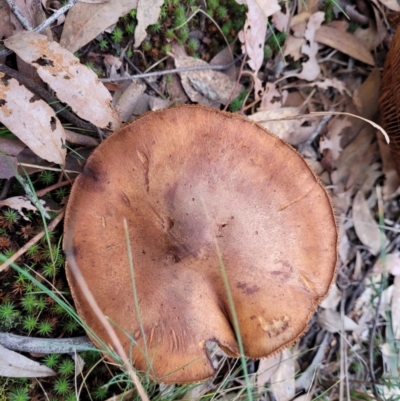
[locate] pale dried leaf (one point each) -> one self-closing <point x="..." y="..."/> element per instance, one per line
<point x="388" y="263"/>
<point x="85" y="21"/>
<point x="395" y="307"/>
<point x="266" y="368"/>
<point x="366" y="227"/>
<point x="311" y="67"/>
<point x="272" y="98"/>
<point x="32" y="121"/>
<point x="18" y="203"/>
<point x="345" y="43"/>
<point x="128" y="100"/>
<point x="340" y="86"/>
<point x="281" y="20"/>
<point x="391" y="4"/>
<point x="148" y="12"/>
<point x="74" y="83"/>
<point x="333" y="298"/>
<point x="282" y="380"/>
<point x="331" y="321"/>
<point x="214" y="86"/>
<point x="157" y="103"/>
<point x="13" y="364"/>
<point x="79" y="364"/>
<point x="112" y="61"/>
<point x="253" y="34"/>
<point x="288" y="130"/>
<point x="332" y="143"/>
<point x="344" y="243"/>
<point x="293" y="47"/>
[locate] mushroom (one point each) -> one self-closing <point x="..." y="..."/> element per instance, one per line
<point x="188" y="181"/>
<point x="389" y="100"/>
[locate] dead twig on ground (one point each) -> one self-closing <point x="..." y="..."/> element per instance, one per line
<point x="167" y="72"/>
<point x="45" y="24"/>
<point x="24" y="22"/>
<point x="33" y="241"/>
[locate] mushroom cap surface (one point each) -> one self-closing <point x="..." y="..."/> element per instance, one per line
<point x="187" y="180"/>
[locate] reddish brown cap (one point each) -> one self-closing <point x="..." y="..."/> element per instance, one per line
<point x="185" y="179"/>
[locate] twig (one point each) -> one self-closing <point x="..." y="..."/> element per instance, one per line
<point x="45" y="345"/>
<point x="24" y="22"/>
<point x="57" y="185"/>
<point x="33" y="241"/>
<point x="52" y="101"/>
<point x="5" y="189"/>
<point x="45" y="24"/>
<point x="173" y="71"/>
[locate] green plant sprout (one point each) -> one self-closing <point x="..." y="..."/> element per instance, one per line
<point x="44" y="328"/>
<point x="19" y="394"/>
<point x="29" y="302"/>
<point x="62" y="386"/>
<point x="130" y="28"/>
<point x="47" y="177"/>
<point x="29" y="323"/>
<point x="51" y="360"/>
<point x="103" y="44"/>
<point x="66" y="367"/>
<point x="117" y="35"/>
<point x="11" y="217"/>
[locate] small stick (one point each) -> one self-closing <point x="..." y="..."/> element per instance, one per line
<point x="24" y="22"/>
<point x="45" y="24"/>
<point x="33" y="241"/>
<point x="166" y="72"/>
<point x="57" y="185"/>
<point x="45" y="345"/>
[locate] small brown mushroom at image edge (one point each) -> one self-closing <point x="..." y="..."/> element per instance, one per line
<point x="188" y="181"/>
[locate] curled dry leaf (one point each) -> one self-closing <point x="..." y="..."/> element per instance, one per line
<point x="333" y="298"/>
<point x="32" y="121"/>
<point x="13" y="364"/>
<point x="255" y="29"/>
<point x="128" y="100"/>
<point x="345" y="43"/>
<point x="311" y="68"/>
<point x="366" y="227"/>
<point x="18" y="203"/>
<point x="289" y="130"/>
<point x="206" y="87"/>
<point x="74" y="83"/>
<point x="395" y="306"/>
<point x="85" y="21"/>
<point x="391" y="4"/>
<point x="331" y="321"/>
<point x="282" y="380"/>
<point x="148" y="12"/>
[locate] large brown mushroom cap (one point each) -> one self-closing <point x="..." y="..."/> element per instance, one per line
<point x="185" y="179"/>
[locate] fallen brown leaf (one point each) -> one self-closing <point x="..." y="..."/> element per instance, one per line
<point x="85" y="21"/>
<point x="345" y="43"/>
<point x="366" y="227"/>
<point x="148" y="12"/>
<point x="74" y="83"/>
<point x="32" y="121"/>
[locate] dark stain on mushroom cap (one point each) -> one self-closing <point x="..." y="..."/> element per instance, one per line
<point x="188" y="179"/>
